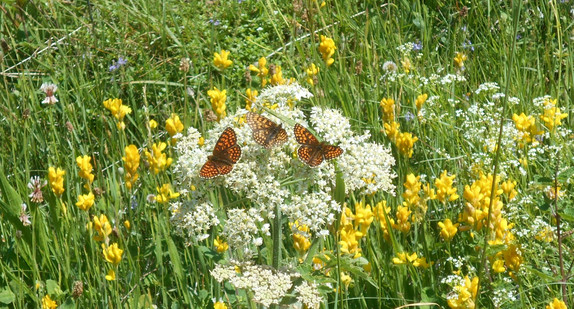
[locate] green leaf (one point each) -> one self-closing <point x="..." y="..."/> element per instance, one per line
<point x="11" y="206"/>
<point x="53" y="288"/>
<point x="6" y="296"/>
<point x="68" y="304"/>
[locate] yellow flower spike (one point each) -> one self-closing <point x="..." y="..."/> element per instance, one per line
<point x="392" y="130"/>
<point x="346" y="280"/>
<point x="102" y="226"/>
<point x="400" y="259"/>
<point x="349" y="240"/>
<point x="465" y="295"/>
<point x="158" y="161"/>
<point x="152" y="124"/>
<point x="327" y="49"/>
<point x="112" y="253"/>
<point x="251" y="97"/>
<point x="448" y="230"/>
<point x="406" y="62"/>
<point x="131" y="164"/>
<point x="363" y="217"/>
<point x="556" y="304"/>
<point x="111" y="276"/>
<point x="218" y="98"/>
<point x="56" y="179"/>
<point x="261" y="70"/>
<point x="127" y="225"/>
<point x="165" y="194"/>
<point x="405" y="142"/>
<point x="48" y="303"/>
<point x="412" y="187"/>
<point x="312" y="72"/>
<point x="219" y="305"/>
<point x="220" y="60"/>
<point x="403" y="223"/>
<point x="422" y="262"/>
<point x="85" y="201"/>
<point x="173" y="125"/>
<point x="388" y="106"/>
<point x="220" y="246"/>
<point x="277" y="78"/>
<point x="445" y="189"/>
<point x="421" y="99"/>
<point x="459" y="60"/>
<point x="118" y="110"/>
<point x="508" y="188"/>
<point x="85" y="167"/>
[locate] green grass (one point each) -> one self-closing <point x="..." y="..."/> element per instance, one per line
<point x="525" y="48"/>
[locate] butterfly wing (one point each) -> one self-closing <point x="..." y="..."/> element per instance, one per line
<point x="304" y="136"/>
<point x="209" y="170"/>
<point x="258" y="122"/>
<point x="279" y="138"/>
<point x="331" y="152"/>
<point x="310" y="155"/>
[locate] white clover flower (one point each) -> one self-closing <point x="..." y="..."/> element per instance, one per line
<point x="49" y="89"/>
<point x="487" y="87"/>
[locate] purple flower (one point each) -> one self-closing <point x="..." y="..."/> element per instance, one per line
<point x="409" y="116"/>
<point x="417" y="46"/>
<point x="116" y="65"/>
<point x="468" y="45"/>
<point x="215" y="22"/>
<point x="121" y="61"/>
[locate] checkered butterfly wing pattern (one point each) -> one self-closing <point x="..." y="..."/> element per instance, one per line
<point x="266" y="132"/>
<point x="311" y="151"/>
<point x="225" y="153"/>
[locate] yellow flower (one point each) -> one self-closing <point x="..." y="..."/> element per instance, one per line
<point x="381" y="211"/>
<point x="526" y="125"/>
<point x="131" y="164"/>
<point x="551" y="192"/>
<point x="112" y="253"/>
<point x="327" y="49"/>
<point x="448" y="230"/>
<point x="545" y="234"/>
<point x="422" y="262"/>
<point x="556" y="304"/>
<point x="127" y="225"/>
<point x="412" y="187"/>
<point x="85" y="166"/>
<point x="392" y="130"/>
<point x="48" y="303"/>
<point x="363" y="217"/>
<point x="346" y="280"/>
<point x="218" y="98"/>
<point x="201" y="142"/>
<point x="261" y="69"/>
<point x="220" y="60"/>
<point x="111" y="276"/>
<point x="219" y="305"/>
<point x="152" y="124"/>
<point x="277" y="78"/>
<point x="421" y="99"/>
<point x="102" y="227"/>
<point x="158" y="161"/>
<point x="405" y="142"/>
<point x="513" y="257"/>
<point x="312" y="72"/>
<point x="220" y="246"/>
<point x="173" y="125"/>
<point x="251" y="97"/>
<point x="165" y="194"/>
<point x="403" y="224"/>
<point x="85" y="201"/>
<point x="300" y="241"/>
<point x="388" y="106"/>
<point x="350" y="240"/>
<point x="552" y="116"/>
<point x="444" y="188"/>
<point x="56" y="179"/>
<point x="406" y="62"/>
<point x="508" y="188"/>
<point x="118" y="110"/>
<point x="498" y="266"/>
<point x="459" y="60"/>
<point x="464" y="294"/>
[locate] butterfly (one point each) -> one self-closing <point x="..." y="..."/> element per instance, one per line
<point x="225" y="153"/>
<point x="266" y="132"/>
<point x="311" y="150"/>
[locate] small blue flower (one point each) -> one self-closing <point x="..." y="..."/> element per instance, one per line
<point x="121" y="61"/>
<point x="215" y="22"/>
<point x="409" y="116"/>
<point x="468" y="45"/>
<point x="417" y="46"/>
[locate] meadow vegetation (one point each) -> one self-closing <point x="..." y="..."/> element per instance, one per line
<point x="450" y="183"/>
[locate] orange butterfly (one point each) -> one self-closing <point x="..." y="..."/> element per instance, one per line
<point x="225" y="153"/>
<point x="266" y="132"/>
<point x="311" y="150"/>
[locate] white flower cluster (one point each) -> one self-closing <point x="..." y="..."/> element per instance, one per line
<point x="268" y="286"/>
<point x="309" y="295"/>
<point x="487" y="87"/>
<point x="193" y="220"/>
<point x="241" y="228"/>
<point x="275" y="177"/>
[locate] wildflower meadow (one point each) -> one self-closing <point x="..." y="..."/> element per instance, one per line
<point x="286" y="154"/>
